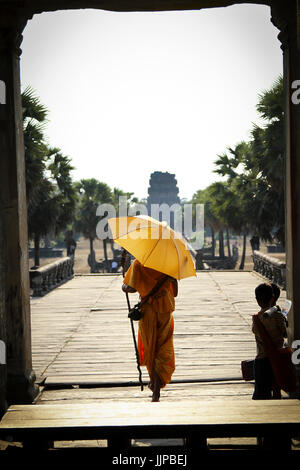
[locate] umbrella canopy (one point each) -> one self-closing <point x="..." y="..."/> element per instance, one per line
<point x="154" y="244"/>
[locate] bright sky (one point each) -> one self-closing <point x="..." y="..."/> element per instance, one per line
<point x="133" y="93"/>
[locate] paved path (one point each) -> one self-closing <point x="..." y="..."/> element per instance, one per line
<point x="81" y="335"/>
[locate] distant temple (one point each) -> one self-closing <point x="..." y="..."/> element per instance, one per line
<point x="162" y="190"/>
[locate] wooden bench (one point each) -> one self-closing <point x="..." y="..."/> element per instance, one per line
<point x="118" y="422"/>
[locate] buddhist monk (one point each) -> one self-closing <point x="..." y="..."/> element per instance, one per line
<point x="155" y="335"/>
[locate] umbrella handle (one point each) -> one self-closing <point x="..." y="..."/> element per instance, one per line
<point x="135" y="345"/>
<point x="132" y="326"/>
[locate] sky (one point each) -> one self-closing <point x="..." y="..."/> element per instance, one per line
<point x="133" y="93"/>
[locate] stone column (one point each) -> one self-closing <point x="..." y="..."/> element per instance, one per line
<point x="3" y="371"/>
<point x="15" y="325"/>
<point x="287" y="18"/>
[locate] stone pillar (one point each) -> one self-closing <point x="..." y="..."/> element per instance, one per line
<point x="15" y="325"/>
<point x="287" y="18"/>
<point x="3" y="371"/>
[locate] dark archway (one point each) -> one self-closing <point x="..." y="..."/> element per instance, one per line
<point x="17" y="378"/>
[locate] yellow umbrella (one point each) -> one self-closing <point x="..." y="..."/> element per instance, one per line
<point x="154" y="244"/>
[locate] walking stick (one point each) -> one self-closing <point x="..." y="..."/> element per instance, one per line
<point x="132" y="326"/>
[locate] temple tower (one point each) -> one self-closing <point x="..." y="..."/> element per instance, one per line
<point x="162" y="195"/>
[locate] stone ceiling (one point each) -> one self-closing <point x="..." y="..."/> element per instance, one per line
<point x="38" y="6"/>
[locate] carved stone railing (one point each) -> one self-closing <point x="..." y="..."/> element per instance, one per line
<point x="270" y="267"/>
<point x="47" y="252"/>
<point x="220" y="263"/>
<point x="50" y="276"/>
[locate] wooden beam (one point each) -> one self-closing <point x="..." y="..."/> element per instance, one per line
<point x="127" y="420"/>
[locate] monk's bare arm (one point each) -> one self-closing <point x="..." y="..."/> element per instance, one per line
<point x="126" y="288"/>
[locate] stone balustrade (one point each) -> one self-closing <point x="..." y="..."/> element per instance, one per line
<point x="47" y="252"/>
<point x="48" y="277"/>
<point x="271" y="268"/>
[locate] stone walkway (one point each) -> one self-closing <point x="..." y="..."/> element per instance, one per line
<point x="83" y="348"/>
<point x="81" y="338"/>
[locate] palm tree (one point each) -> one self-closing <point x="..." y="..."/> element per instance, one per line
<point x="218" y="194"/>
<point x="210" y="219"/>
<point x="91" y="193"/>
<point x="238" y="201"/>
<point x="232" y="208"/>
<point x="269" y="153"/>
<point x="50" y="192"/>
<point x="130" y="200"/>
<point x="257" y="167"/>
<point x="54" y="201"/>
<point x="34" y="120"/>
<point x="251" y="196"/>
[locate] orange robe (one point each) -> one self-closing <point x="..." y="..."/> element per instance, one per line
<point x="155" y="336"/>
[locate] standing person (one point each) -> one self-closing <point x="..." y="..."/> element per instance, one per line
<point x="70" y="243"/>
<point x="274" y="323"/>
<point x="254" y="241"/>
<point x="155" y="336"/>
